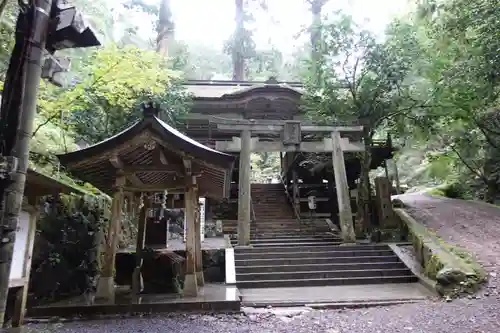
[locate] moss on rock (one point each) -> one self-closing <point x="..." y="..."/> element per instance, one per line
<point x="454" y="269"/>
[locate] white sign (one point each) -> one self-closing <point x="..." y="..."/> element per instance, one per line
<point x="202" y="220"/>
<point x="311" y="201"/>
<point x="17" y="267"/>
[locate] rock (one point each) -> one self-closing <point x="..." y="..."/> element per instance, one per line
<point x="448" y="276"/>
<point x="253" y="317"/>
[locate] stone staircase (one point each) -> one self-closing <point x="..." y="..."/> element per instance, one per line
<point x="315" y="261"/>
<point x="287" y="253"/>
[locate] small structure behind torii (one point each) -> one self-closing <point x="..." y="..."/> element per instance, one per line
<point x="148" y="158"/>
<point x="289" y="139"/>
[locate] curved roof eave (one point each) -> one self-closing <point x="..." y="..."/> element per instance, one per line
<point x="166" y="132"/>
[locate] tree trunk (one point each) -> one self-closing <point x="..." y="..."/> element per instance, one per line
<point x="3" y="4"/>
<point x="165" y="28"/>
<point x="363" y="216"/>
<point x="491" y="174"/>
<point x="315" y="38"/>
<point x="237" y="47"/>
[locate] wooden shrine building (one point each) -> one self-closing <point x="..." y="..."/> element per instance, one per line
<point x="37" y="186"/>
<point x="147" y="159"/>
<point x="245" y="117"/>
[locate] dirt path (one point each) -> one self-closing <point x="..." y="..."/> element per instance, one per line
<point x="475" y="226"/>
<point x="472" y="225"/>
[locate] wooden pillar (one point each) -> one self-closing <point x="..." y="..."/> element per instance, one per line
<point x="106" y="282"/>
<point x="295" y="192"/>
<point x="190" y="282"/>
<point x="244" y="188"/>
<point x="396" y="177"/>
<point x="137" y="281"/>
<point x="22" y="293"/>
<point x="282" y="161"/>
<point x="198" y="252"/>
<point x="342" y="189"/>
<point x="386" y="171"/>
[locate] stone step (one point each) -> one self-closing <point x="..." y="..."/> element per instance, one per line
<point x="303" y="239"/>
<point x="276" y="222"/>
<point x="298" y="275"/>
<point x="314" y="261"/>
<point x="291" y="236"/>
<point x="290" y="247"/>
<point x="298" y="253"/>
<point x="320" y="267"/>
<point x="318" y="248"/>
<point x="326" y="282"/>
<point x="288" y="236"/>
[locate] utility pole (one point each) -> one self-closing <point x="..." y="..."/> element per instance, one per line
<point x="13" y="194"/>
<point x="64" y="24"/>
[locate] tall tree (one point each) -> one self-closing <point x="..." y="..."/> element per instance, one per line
<point x="165" y="28"/>
<point x="238" y="50"/>
<point x="362" y="81"/>
<point x="315" y="34"/>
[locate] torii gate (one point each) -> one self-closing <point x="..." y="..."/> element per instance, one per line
<point x="290" y="140"/>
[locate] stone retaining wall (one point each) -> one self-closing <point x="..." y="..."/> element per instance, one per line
<point x="454" y="269"/>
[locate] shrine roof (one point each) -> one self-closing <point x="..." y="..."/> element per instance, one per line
<point x="207" y="89"/>
<point x="40" y="184"/>
<point x="140" y="145"/>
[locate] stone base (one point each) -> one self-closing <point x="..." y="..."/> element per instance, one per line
<point x="190" y="285"/>
<point x="106" y="289"/>
<point x="200" y="279"/>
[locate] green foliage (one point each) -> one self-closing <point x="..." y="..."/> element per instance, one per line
<point x="457" y="72"/>
<point x="108" y="99"/>
<point x="452" y="190"/>
<point x="66" y="250"/>
<point x="265" y="166"/>
<point x="7" y="25"/>
<point x="362" y="80"/>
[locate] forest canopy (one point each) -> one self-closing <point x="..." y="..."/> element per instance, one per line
<point x="431" y="80"/>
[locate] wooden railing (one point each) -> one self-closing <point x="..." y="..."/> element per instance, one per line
<point x="291" y="200"/>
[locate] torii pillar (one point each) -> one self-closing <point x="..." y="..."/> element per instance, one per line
<point x="342" y="189"/>
<point x="244" y="189"/>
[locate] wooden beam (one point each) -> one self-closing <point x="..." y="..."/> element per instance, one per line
<point x="117" y="163"/>
<point x="311" y="147"/>
<point x="177" y="185"/>
<point x="159" y="157"/>
<point x="166" y="168"/>
<point x="270" y="126"/>
<point x="187" y="167"/>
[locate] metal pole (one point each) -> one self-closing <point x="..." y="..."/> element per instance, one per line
<point x="14" y="192"/>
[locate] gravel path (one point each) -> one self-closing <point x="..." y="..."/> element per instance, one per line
<point x="475" y="226"/>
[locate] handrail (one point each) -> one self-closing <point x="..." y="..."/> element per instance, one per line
<point x="252" y="209"/>
<point x="291" y="200"/>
